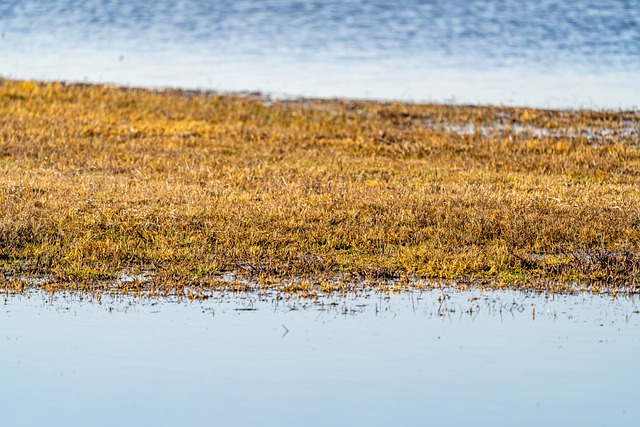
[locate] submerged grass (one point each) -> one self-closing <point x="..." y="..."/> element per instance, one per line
<point x="95" y="180"/>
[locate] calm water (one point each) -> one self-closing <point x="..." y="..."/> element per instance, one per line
<point x="422" y="358"/>
<point x="571" y="53"/>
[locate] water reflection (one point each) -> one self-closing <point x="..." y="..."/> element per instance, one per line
<point x="447" y="358"/>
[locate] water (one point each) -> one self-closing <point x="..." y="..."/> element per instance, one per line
<point x="416" y="358"/>
<point x="574" y="53"/>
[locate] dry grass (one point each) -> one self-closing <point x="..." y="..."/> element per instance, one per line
<point x="96" y="179"/>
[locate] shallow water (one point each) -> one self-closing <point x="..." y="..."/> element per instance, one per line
<point x="574" y="53"/>
<point x="415" y="358"/>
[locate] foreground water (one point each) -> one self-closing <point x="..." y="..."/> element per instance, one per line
<point x="574" y="53"/>
<point x="415" y="358"/>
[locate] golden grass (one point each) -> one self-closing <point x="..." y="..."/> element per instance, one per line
<point x="95" y="180"/>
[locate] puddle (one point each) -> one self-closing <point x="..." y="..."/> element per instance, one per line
<point x="425" y="357"/>
<point x="629" y="130"/>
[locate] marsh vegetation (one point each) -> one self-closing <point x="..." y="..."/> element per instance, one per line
<point x="185" y="186"/>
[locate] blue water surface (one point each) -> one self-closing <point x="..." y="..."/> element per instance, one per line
<point x="573" y="53"/>
<point x="444" y="358"/>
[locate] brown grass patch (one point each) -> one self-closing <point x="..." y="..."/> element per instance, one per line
<point x="97" y="179"/>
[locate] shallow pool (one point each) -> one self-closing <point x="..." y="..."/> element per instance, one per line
<point x="415" y="358"/>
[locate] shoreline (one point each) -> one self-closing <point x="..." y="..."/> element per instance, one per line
<point x="269" y="97"/>
<point x="148" y="287"/>
<point x="102" y="179"/>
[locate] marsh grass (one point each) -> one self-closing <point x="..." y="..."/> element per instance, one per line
<point x="95" y="180"/>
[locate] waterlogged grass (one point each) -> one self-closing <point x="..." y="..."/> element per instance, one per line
<point x="97" y="180"/>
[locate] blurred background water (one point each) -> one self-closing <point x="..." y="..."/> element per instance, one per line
<point x="571" y="53"/>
